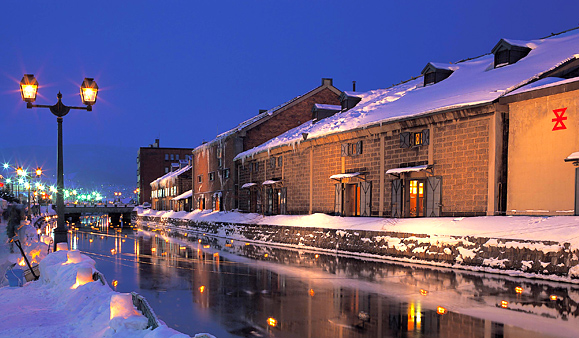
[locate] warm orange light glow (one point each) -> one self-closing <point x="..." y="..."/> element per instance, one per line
<point x="312" y="293"/>
<point x="38" y="172"/>
<point x="246" y="243"/>
<point x="113" y="251"/>
<point x="122" y="306"/>
<point x="206" y="246"/>
<point x="115" y="283"/>
<point x="182" y="247"/>
<point x="553" y="297"/>
<point x="440" y="310"/>
<point x="216" y="254"/>
<point x="272" y="322"/>
<point x="519" y="289"/>
<point x="83" y="276"/>
<point x="199" y="240"/>
<point x="21" y="261"/>
<point x="202" y="288"/>
<point x="29" y="91"/>
<point x="317" y="256"/>
<point x="90" y="240"/>
<point x="504" y="304"/>
<point x="153" y="249"/>
<point x="265" y="255"/>
<point x="423" y="292"/>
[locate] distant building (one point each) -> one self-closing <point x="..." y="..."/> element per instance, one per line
<point x="172" y="191"/>
<point x="154" y="162"/>
<point x="214" y="175"/>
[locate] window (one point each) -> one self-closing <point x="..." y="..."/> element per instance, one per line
<point x="351" y="149"/>
<point x="212" y="176"/>
<point x="166" y="157"/>
<point x="415" y="139"/>
<point x="272" y="162"/>
<point x="279" y="161"/>
<point x="226" y="173"/>
<point x="255" y="167"/>
<point x="219" y="152"/>
<point x="172" y="157"/>
<point x="219" y="162"/>
<point x="166" y="170"/>
<point x="177" y="156"/>
<point x="199" y="178"/>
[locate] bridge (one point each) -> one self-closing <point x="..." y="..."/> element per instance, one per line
<point x="73" y="212"/>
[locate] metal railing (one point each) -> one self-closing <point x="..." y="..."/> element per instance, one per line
<point x="142" y="305"/>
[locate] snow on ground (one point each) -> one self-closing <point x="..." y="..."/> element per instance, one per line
<point x="58" y="305"/>
<point x="562" y="229"/>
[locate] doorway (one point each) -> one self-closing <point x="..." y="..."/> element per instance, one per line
<point x="416" y="198"/>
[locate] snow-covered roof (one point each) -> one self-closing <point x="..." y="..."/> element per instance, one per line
<point x="474" y="82"/>
<point x="327" y="106"/>
<point x="573" y="157"/>
<point x="171" y="174"/>
<point x="340" y="176"/>
<point x="270" y="182"/>
<point x="247" y="185"/>
<point x="542" y="83"/>
<point x="407" y="169"/>
<point x="184" y="195"/>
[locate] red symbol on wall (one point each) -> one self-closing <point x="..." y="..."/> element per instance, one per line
<point x="559" y="119"/>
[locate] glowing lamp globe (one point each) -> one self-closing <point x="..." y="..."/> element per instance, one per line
<point x="28" y="88"/>
<point x="89" y="91"/>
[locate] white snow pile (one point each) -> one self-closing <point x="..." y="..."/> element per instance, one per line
<point x="66" y="302"/>
<point x="472" y="82"/>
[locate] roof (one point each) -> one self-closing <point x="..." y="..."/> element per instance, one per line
<point x="475" y="82"/>
<point x="327" y="106"/>
<point x="170" y="175"/>
<point x="184" y="195"/>
<point x="573" y="157"/>
<point x="261" y="117"/>
<point x="407" y="169"/>
<point x="340" y="176"/>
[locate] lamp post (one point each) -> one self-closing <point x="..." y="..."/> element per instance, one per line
<point x="88" y="92"/>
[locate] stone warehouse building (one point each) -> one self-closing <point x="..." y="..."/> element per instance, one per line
<point x="443" y="144"/>
<point x="214" y="174"/>
<point x="172" y="191"/>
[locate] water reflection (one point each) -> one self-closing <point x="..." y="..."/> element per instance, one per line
<point x="196" y="283"/>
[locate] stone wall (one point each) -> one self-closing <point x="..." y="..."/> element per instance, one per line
<point x="537" y="257"/>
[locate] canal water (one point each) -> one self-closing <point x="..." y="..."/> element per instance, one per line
<point x="198" y="283"/>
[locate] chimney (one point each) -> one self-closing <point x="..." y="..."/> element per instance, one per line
<point x="326" y="81"/>
<point x="156" y="144"/>
<point x="353" y="86"/>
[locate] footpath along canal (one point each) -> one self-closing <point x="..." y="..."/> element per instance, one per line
<point x="199" y="283"/>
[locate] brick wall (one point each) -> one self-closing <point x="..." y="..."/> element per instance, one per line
<point x="288" y="119"/>
<point x="461" y="155"/>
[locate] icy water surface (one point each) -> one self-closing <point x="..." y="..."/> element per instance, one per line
<point x="196" y="283"/>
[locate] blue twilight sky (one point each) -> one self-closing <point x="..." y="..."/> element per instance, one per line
<point x="183" y="71"/>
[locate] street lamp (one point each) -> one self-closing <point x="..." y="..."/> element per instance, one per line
<point x="88" y="92"/>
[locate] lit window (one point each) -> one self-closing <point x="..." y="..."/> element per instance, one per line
<point x="418" y="139"/>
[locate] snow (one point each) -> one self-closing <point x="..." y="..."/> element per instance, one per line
<point x="405" y="170"/>
<point x="184" y="195"/>
<point x="562" y="229"/>
<point x="327" y="106"/>
<point x="340" y="176"/>
<point x="270" y="182"/>
<point x="247" y="185"/>
<point x="57" y="305"/>
<point x="573" y="157"/>
<point x="170" y="175"/>
<point x="474" y="82"/>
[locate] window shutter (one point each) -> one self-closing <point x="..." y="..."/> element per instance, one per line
<point x="396" y="199"/>
<point x="365" y="198"/>
<point x="433" y="195"/>
<point x="405" y="140"/>
<point x="344" y="150"/>
<point x="338" y="200"/>
<point x="426" y="137"/>
<point x="359" y="148"/>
